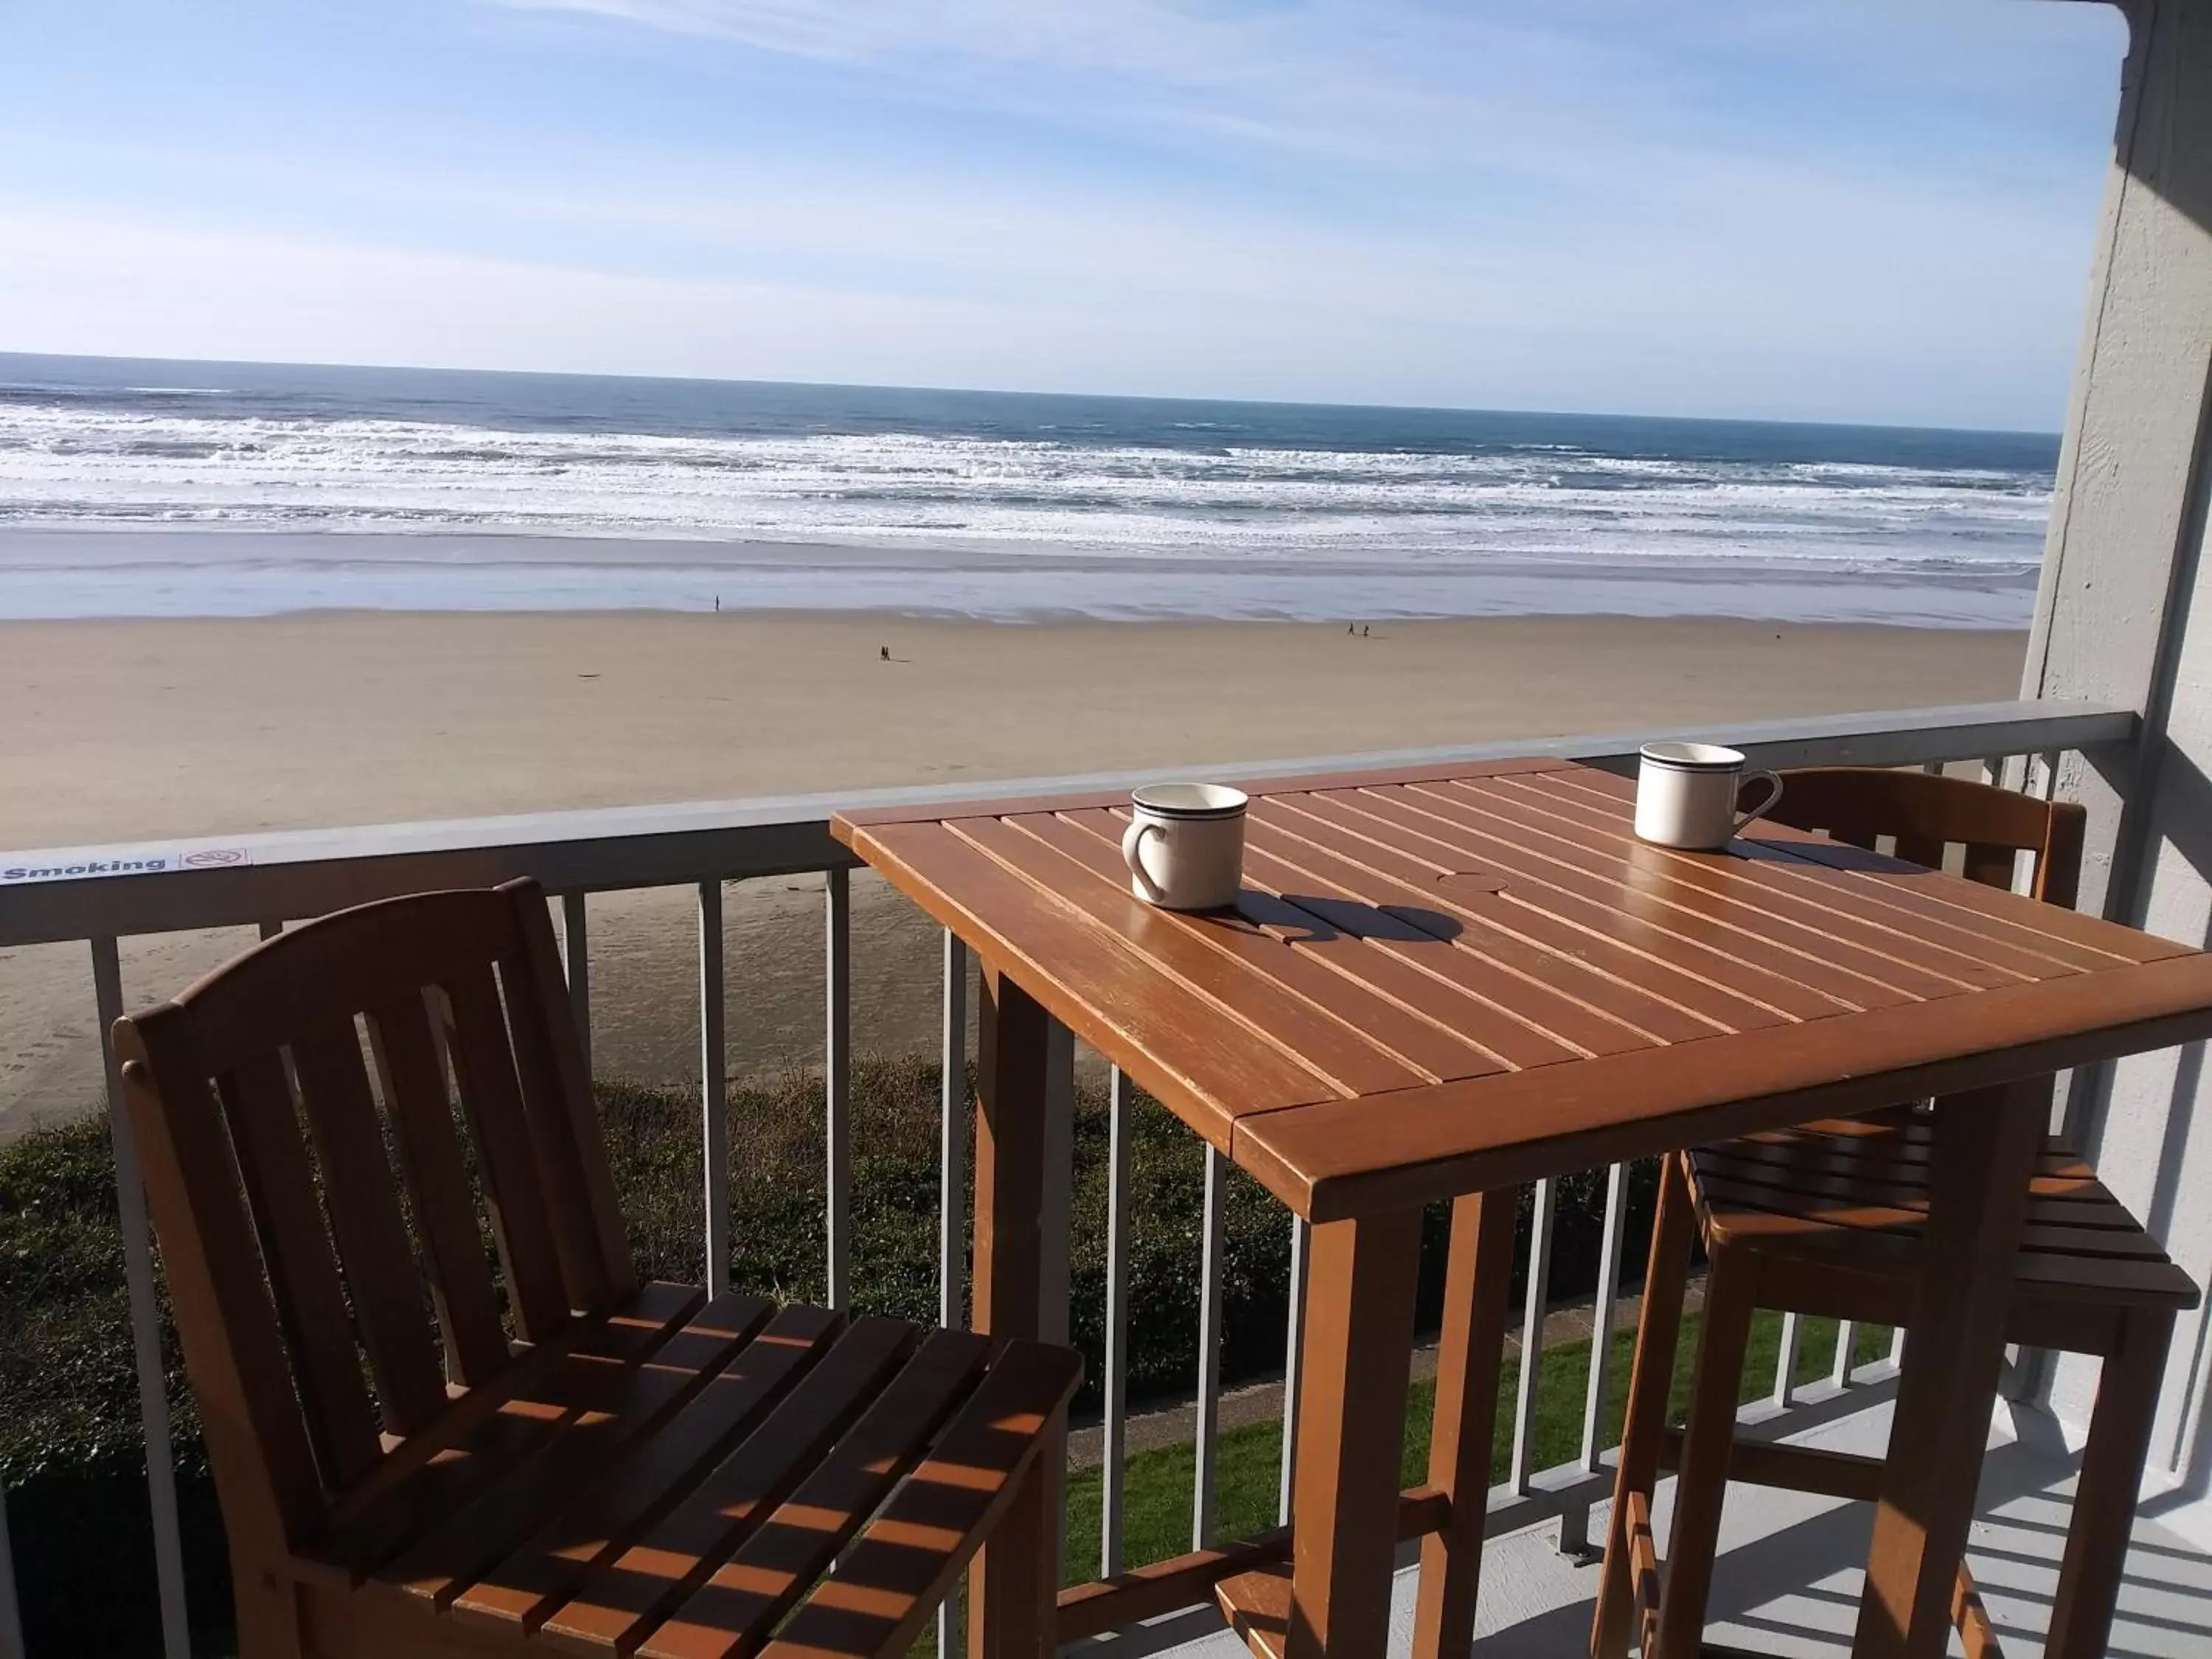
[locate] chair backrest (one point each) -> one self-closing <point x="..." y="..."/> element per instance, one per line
<point x="341" y="1132"/>
<point x="1926" y="813"/>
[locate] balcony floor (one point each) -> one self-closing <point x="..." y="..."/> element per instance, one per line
<point x="1788" y="1582"/>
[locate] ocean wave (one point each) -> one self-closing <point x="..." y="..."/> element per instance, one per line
<point x="64" y="461"/>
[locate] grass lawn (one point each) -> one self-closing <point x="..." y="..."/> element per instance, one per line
<point x="1156" y="1501"/>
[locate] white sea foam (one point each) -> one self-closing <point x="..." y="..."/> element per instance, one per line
<point x="1364" y="531"/>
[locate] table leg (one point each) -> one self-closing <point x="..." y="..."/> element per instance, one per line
<point x="1986" y="1142"/>
<point x="1352" y="1431"/>
<point x="1477" y="1283"/>
<point x="1010" y="1586"/>
<point x="1650" y="1381"/>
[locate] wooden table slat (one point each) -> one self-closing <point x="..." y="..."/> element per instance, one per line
<point x="1731" y="995"/>
<point x="1385" y="948"/>
<point x="1212" y="959"/>
<point x="1105" y="990"/>
<point x="1769" y="872"/>
<point x="1428" y="1047"/>
<point x="1343" y="1156"/>
<point x="1566" y="1003"/>
<point x="2087" y="941"/>
<point x="1862" y="961"/>
<point x="1805" y="974"/>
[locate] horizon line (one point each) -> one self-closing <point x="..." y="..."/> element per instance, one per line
<point x="1023" y="392"/>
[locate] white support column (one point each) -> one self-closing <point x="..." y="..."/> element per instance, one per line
<point x="2118" y="620"/>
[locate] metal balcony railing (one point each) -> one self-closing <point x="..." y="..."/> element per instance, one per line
<point x="272" y="879"/>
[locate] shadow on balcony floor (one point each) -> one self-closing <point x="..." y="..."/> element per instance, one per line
<point x="1789" y="1578"/>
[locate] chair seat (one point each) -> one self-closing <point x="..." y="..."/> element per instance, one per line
<point x="1852" y="1193"/>
<point x="689" y="1478"/>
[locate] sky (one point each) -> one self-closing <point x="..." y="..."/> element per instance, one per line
<point x="1832" y="209"/>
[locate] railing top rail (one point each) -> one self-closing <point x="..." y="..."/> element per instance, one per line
<point x="80" y="892"/>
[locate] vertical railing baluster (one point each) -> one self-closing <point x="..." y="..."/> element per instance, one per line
<point x="953" y="1128"/>
<point x="1211" y="1233"/>
<point x="714" y="1089"/>
<point x="1114" y="1429"/>
<point x="145" y="1323"/>
<point x="1574" y="1524"/>
<point x="11" y="1618"/>
<point x="1054" y="1211"/>
<point x="1847" y="1337"/>
<point x="1294" y="1348"/>
<point x="1785" y="1362"/>
<point x="1532" y="1335"/>
<point x="837" y="1082"/>
<point x="1058" y="1196"/>
<point x="269" y="930"/>
<point x="576" y="958"/>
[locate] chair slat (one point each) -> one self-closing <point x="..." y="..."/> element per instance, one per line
<point x="422" y="1111"/>
<point x="1858" y="803"/>
<point x="231" y="1340"/>
<point x="452" y="1555"/>
<point x="618" y="1602"/>
<point x="1927" y="851"/>
<point x="908" y="1558"/>
<point x="536" y="1003"/>
<point x="553" y="1131"/>
<point x="477" y="1038"/>
<point x="295" y="1250"/>
<point x="614" y="1510"/>
<point x="371" y="1232"/>
<point x="1990" y="864"/>
<point x="745" y="1596"/>
<point x="489" y="1432"/>
<point x="311" y="977"/>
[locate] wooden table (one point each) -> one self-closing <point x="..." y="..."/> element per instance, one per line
<point x="1443" y="983"/>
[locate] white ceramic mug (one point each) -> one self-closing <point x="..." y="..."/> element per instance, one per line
<point x="1686" y="795"/>
<point x="1185" y="845"/>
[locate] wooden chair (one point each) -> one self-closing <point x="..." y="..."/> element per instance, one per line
<point x="344" y="1131"/>
<point x="1824" y="1219"/>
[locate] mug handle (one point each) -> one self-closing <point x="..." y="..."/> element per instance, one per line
<point x="1132" y="839"/>
<point x="1774" y="797"/>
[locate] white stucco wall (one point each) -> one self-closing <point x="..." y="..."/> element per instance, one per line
<point x="2126" y="615"/>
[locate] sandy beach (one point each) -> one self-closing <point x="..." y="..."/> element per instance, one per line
<point x="125" y="730"/>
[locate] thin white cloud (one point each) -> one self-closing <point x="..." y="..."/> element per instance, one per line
<point x="1489" y="206"/>
<point x="1011" y="294"/>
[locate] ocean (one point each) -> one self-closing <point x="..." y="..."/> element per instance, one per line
<point x="144" y="487"/>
